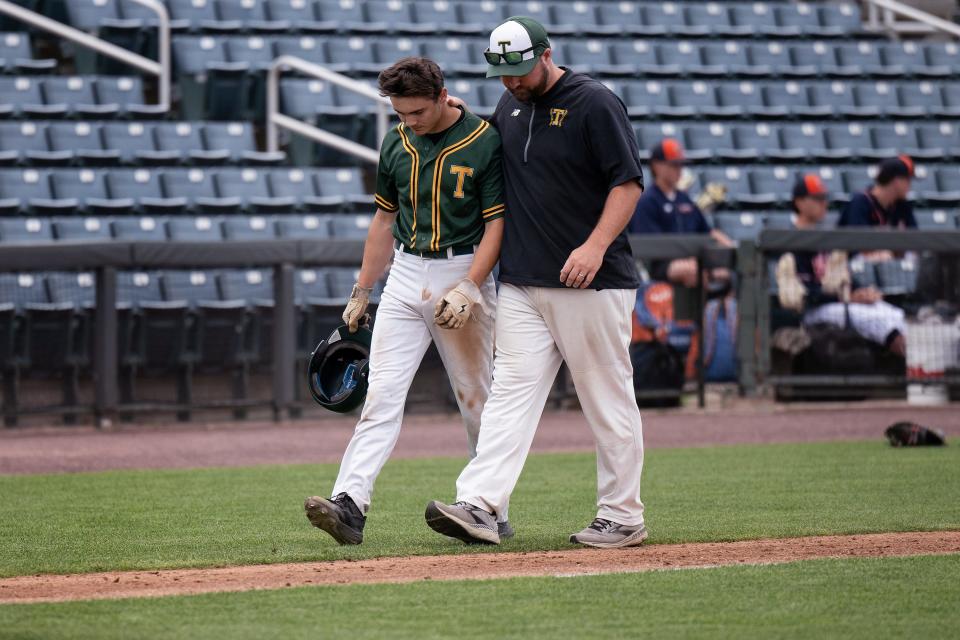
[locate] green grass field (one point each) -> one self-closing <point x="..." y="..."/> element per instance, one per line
<point x="898" y="597"/>
<point x="212" y="517"/>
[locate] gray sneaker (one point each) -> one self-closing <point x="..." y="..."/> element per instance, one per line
<point x="505" y="530"/>
<point x="462" y="521"/>
<point x="607" y="534"/>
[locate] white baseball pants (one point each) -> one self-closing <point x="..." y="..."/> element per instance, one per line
<point x="537" y="328"/>
<point x="403" y="331"/>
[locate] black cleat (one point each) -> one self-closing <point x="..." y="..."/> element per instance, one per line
<point x="339" y="516"/>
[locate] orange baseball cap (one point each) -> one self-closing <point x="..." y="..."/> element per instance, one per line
<point x="667" y="150"/>
<point x="810" y="186"/>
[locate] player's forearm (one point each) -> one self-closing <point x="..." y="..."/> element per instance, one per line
<point x="488" y="252"/>
<point x="377" y="250"/>
<point x="617" y="210"/>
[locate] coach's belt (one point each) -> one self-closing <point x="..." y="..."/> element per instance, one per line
<point x="449" y="252"/>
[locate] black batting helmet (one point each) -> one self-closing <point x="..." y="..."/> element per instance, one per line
<point x="338" y="369"/>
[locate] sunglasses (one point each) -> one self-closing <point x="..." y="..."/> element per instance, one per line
<point x="510" y="57"/>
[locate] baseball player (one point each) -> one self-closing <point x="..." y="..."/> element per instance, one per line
<point x="572" y="180"/>
<point x="440" y="216"/>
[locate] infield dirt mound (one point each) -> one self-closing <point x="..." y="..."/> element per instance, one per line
<point x="479" y="566"/>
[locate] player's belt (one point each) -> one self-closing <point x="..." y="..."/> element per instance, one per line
<point x="449" y="252"/>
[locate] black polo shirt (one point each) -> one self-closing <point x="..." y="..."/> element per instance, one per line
<point x="562" y="154"/>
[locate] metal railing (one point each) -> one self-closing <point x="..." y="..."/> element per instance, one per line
<point x="275" y="119"/>
<point x="159" y="67"/>
<point x="882" y="16"/>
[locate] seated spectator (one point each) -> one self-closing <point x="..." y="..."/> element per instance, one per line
<point x="885" y="203"/>
<point x="817" y="285"/>
<point x="665" y="208"/>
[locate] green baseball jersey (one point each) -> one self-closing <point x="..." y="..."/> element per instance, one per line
<point x="444" y="192"/>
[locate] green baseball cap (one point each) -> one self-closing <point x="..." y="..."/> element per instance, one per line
<point x="515" y="47"/>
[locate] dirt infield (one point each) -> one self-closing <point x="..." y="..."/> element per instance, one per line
<point x="132" y="584"/>
<point x="72" y="449"/>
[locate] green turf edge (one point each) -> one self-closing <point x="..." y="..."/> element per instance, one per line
<point x="124" y="520"/>
<point x="849" y="598"/>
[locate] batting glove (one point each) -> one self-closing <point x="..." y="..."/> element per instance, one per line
<point x="790" y="289"/>
<point x="353" y="315"/>
<point x="453" y="310"/>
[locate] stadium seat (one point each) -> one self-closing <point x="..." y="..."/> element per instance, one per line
<point x="310" y="284"/>
<point x="760" y="140"/>
<point x="250" y="186"/>
<point x="254" y="51"/>
<point x="911" y="57"/>
<point x="944" y="188"/>
<point x="774" y="58"/>
<point x="197" y="185"/>
<point x="796" y="18"/>
<point x="739" y="226"/>
<point x="28" y="190"/>
<point x="896" y="277"/>
<point x="745" y="19"/>
<point x="837" y="97"/>
<point x="251" y="14"/>
<point x="800" y="103"/>
<point x="189" y="287"/>
<point x="303" y="227"/>
<point x="919" y="99"/>
<point x="819" y="56"/>
<point x="25" y="230"/>
<point x="194" y="229"/>
<point x="26" y="141"/>
<point x="250" y="286"/>
<point x="198" y="15"/>
<point x="134" y="143"/>
<point x="950" y="91"/>
<point x="76" y="94"/>
<point x="863" y="58"/>
<point x="935" y="219"/>
<point x="863" y="274"/>
<point x="88" y="189"/>
<point x="83" y="141"/>
<point x="895" y="138"/>
<point x="78" y="289"/>
<point x="139" y="229"/>
<point x="731" y="58"/>
<point x="136" y="287"/>
<point x="841" y="18"/>
<point x="482" y="16"/>
<point x="186" y="139"/>
<point x="776" y="181"/>
<point x="348" y="16"/>
<point x="248" y="228"/>
<point x="341" y="188"/>
<point x="350" y="227"/>
<point x="87" y="15"/>
<point x="24" y="96"/>
<point x="852" y="140"/>
<point x="192" y="55"/>
<point x="711" y="141"/>
<point x="941" y="136"/>
<point x="747" y="97"/>
<point x="806" y="140"/>
<point x="354" y="54"/>
<point x="144" y="186"/>
<point x="299" y="14"/>
<point x="89" y="229"/>
<point x="237" y="139"/>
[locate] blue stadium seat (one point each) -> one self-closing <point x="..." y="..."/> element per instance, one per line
<point x="940" y="136"/>
<point x="189" y="286"/>
<point x="127" y="94"/>
<point x="297" y="184"/>
<point x="399" y="17"/>
<point x="308" y="47"/>
<point x="776" y="181"/>
<point x="186" y="138"/>
<point x="919" y="99"/>
<point x="863" y="274"/>
<point x="863" y="58"/>
<point x="134" y="141"/>
<point x="353" y="54"/>
<point x="78" y="289"/>
<point x="301" y="97"/>
<point x="251" y="286"/>
<point x="761" y="140"/>
<point x="593" y="57"/>
<point x="83" y="141"/>
<point x="341" y="281"/>
<point x="27" y="141"/>
<point x="711" y="141"/>
<point x="951" y="100"/>
<point x="351" y="227"/>
<point x="747" y="19"/>
<point x="736" y="179"/>
<point x="25" y="230"/>
<point x="895" y="138"/>
<point x="349" y="16"/>
<point x="300" y="14"/>
<point x="935" y="219"/>
<point x="250" y="186"/>
<point x="198" y="14"/>
<point x="23" y="289"/>
<point x="26" y="190"/>
<point x="24" y="95"/>
<point x="89" y="229"/>
<point x="946" y="188"/>
<point x="251" y="14"/>
<point x="194" y="229"/>
<point x="136" y="287"/>
<point x="745" y="97"/>
<point x="739" y="226"/>
<point x="837" y="97"/>
<point x="482" y="16"/>
<point x="455" y="55"/>
<point x="797" y="18"/>
<point x="88" y="188"/>
<point x="237" y="138"/>
<point x="77" y="95"/>
<point x="852" y="140"/>
<point x="139" y="229"/>
<point x="198" y="187"/>
<point x="944" y="55"/>
<point x="671" y="16"/>
<point x="192" y="55"/>
<point x="879" y="98"/>
<point x="303" y="227"/>
<point x="617" y="18"/>
<point x="641" y="57"/>
<point x="701" y="97"/>
<point x="731" y="57"/>
<point x="912" y="58"/>
<point x="841" y="18"/>
<point x="652" y="98"/>
<point x="145" y="187"/>
<point x="254" y="51"/>
<point x="576" y="17"/>
<point x="774" y="57"/>
<point x="856" y="178"/>
<point x="389" y="50"/>
<point x="87" y="15"/>
<point x="896" y="277"/>
<point x="685" y="55"/>
<point x="310" y="284"/>
<point x="342" y="187"/>
<point x="14" y="47"/>
<point x="819" y="56"/>
<point x="248" y="228"/>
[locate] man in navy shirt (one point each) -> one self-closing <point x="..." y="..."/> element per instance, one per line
<point x="664" y="208"/>
<point x="885" y="203"/>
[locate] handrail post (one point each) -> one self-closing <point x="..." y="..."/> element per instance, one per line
<point x="284" y="340"/>
<point x="105" y="347"/>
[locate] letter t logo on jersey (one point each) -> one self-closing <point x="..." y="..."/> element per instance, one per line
<point x="557" y="116"/>
<point x="461" y="173"/>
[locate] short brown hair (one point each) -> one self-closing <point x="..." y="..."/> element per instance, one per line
<point x="412" y="77"/>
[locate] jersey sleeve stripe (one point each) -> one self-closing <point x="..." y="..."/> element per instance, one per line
<point x="384" y="204"/>
<point x="496" y="206"/>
